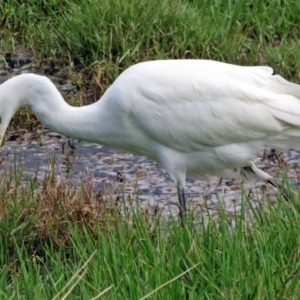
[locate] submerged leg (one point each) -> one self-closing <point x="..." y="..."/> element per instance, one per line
<point x="182" y="201"/>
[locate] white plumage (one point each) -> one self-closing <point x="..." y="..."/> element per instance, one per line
<point x="196" y="117"/>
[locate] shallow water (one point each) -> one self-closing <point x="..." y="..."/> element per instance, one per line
<point x="142" y="178"/>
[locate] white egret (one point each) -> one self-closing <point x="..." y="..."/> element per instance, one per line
<point x="196" y="117"/>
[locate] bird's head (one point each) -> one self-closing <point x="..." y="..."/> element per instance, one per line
<point x="7" y="106"/>
<point x="3" y="127"/>
<point x="4" y="122"/>
<point x="32" y="90"/>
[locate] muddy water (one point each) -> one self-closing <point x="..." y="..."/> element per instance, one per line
<point x="117" y="172"/>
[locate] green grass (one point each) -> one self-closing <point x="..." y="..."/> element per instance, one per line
<point x="105" y="37"/>
<point x="58" y="242"/>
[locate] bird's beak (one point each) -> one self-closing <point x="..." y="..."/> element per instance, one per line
<point x="3" y="127"/>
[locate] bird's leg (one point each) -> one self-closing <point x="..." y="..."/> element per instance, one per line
<point x="182" y="202"/>
<point x="250" y="170"/>
<point x="253" y="170"/>
<point x="280" y="187"/>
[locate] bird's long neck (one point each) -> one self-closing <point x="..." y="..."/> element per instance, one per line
<point x="89" y="123"/>
<point x="82" y="123"/>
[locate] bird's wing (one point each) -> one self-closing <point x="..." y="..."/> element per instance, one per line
<point x="192" y="106"/>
